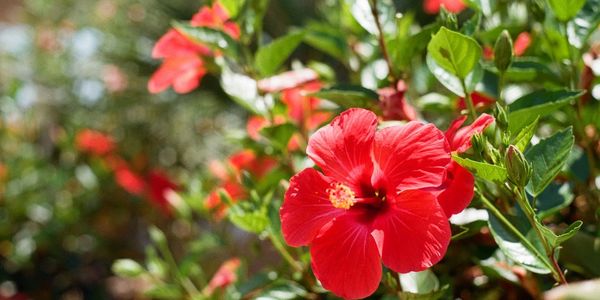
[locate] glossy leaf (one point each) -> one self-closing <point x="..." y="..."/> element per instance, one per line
<point x="555" y="240"/>
<point x="553" y="198"/>
<point x="521" y="141"/>
<point x="279" y="135"/>
<point x="512" y="247"/>
<point x="547" y="158"/>
<point x="565" y="10"/>
<point x="526" y="109"/>
<point x="270" y="57"/>
<point x="450" y="81"/>
<point x="349" y="96"/>
<point x="455" y="52"/>
<point x="214" y="38"/>
<point x="483" y="170"/>
<point x="252" y="221"/>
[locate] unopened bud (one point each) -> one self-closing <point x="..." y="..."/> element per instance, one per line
<point x="501" y="116"/>
<point x="449" y="19"/>
<point x="503" y="51"/>
<point x="478" y="143"/>
<point x="518" y="168"/>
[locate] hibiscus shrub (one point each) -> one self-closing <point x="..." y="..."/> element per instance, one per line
<point x="444" y="149"/>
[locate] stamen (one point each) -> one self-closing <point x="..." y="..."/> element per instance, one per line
<point x="341" y="196"/>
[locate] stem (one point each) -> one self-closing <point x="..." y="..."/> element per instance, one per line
<point x="530" y="213"/>
<point x="468" y="100"/>
<point x="501" y="83"/>
<point x="186" y="283"/>
<point x="490" y="206"/>
<point x="285" y="253"/>
<point x="381" y="40"/>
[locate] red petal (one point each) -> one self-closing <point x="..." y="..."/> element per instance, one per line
<point x="176" y="71"/>
<point x="174" y="43"/>
<point x="342" y="149"/>
<point x="522" y="42"/>
<point x="412" y="156"/>
<point x="413" y="233"/>
<point x="306" y="208"/>
<point x="346" y="260"/>
<point x="458" y="191"/>
<point x="460" y="139"/>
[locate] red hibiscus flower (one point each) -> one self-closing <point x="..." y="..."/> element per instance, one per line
<point x="225" y="275"/>
<point x="302" y="108"/>
<point x="129" y="180"/>
<point x="479" y="100"/>
<point x="393" y="103"/>
<point x="368" y="202"/>
<point x="183" y="67"/>
<point x="453" y="6"/>
<point x="457" y="190"/>
<point x="94" y="142"/>
<point x="230" y="178"/>
<point x="159" y="185"/>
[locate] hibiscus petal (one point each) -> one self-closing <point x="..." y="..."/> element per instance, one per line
<point x="412" y="156"/>
<point x="458" y="191"/>
<point x="460" y="140"/>
<point x="342" y="149"/>
<point x="413" y="233"/>
<point x="345" y="258"/>
<point x="306" y="208"/>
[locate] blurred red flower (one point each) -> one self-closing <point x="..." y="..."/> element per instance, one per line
<point x="368" y="202"/>
<point x="225" y="275"/>
<point x="479" y="100"/>
<point x="453" y="6"/>
<point x="159" y="186"/>
<point x="129" y="180"/>
<point x="393" y="104"/>
<point x="183" y="67"/>
<point x="229" y="176"/>
<point x="457" y="190"/>
<point x="94" y="142"/>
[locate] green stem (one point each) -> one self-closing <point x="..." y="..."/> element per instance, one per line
<point x="501" y="83"/>
<point x="490" y="206"/>
<point x="381" y="40"/>
<point x="468" y="100"/>
<point x="284" y="252"/>
<point x="186" y="283"/>
<point x="530" y="213"/>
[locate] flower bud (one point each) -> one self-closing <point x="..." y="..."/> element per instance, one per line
<point x="503" y="51"/>
<point x="518" y="168"/>
<point x="448" y="19"/>
<point x="501" y="117"/>
<point x="478" y="143"/>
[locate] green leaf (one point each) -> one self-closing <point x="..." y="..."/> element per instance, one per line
<point x="127" y="268"/>
<point x="565" y="10"/>
<point x="361" y="11"/>
<point x="553" y="198"/>
<point x="585" y="23"/>
<point x="283" y="290"/>
<point x="404" y="49"/>
<point x="521" y="141"/>
<point x="482" y="170"/>
<point x="419" y="282"/>
<point x="512" y="247"/>
<point x="547" y="158"/>
<point x="581" y="254"/>
<point x="232" y="6"/>
<point x="526" y="109"/>
<point x="279" y="135"/>
<point x="328" y="40"/>
<point x="164" y="291"/>
<point x="556" y="240"/>
<point x="433" y="295"/>
<point x="213" y="38"/>
<point x="243" y="90"/>
<point x="349" y="96"/>
<point x="529" y="69"/>
<point x="252" y="221"/>
<point x="157" y="236"/>
<point x="455" y="52"/>
<point x="270" y="57"/>
<point x="452" y="82"/>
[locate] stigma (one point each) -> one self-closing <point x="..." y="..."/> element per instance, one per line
<point x="341" y="196"/>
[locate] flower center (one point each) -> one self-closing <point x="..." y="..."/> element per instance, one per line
<point x="340" y="196"/>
